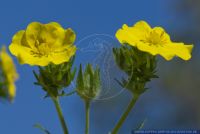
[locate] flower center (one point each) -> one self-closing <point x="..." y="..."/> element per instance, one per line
<point x="157" y="38"/>
<point x="154" y="38"/>
<point x="42" y="48"/>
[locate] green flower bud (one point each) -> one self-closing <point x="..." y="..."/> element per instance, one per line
<point x="139" y="66"/>
<point x="53" y="78"/>
<point x="88" y="83"/>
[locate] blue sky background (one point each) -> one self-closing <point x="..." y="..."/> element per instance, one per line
<point x="86" y="17"/>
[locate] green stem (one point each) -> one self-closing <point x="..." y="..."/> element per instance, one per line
<point x="60" y="114"/>
<point x="87" y="117"/>
<point x="125" y="115"/>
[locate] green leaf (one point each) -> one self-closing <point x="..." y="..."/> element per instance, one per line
<point x="73" y="73"/>
<point x="80" y="83"/>
<point x="89" y="72"/>
<point x="68" y="94"/>
<point x="121" y="84"/>
<point x="36" y="76"/>
<point x="45" y="131"/>
<point x="141" y="125"/>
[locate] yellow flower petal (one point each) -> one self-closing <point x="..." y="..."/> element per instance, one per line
<point x="25" y="56"/>
<point x="16" y="41"/>
<point x="159" y="35"/>
<point x="11" y="90"/>
<point x="180" y="50"/>
<point x="9" y="72"/>
<point x="153" y="40"/>
<point x="142" y="26"/>
<point x="70" y="36"/>
<point x="155" y="50"/>
<point x="125" y="35"/>
<point x="53" y="34"/>
<point x="132" y="35"/>
<point x="41" y="44"/>
<point x="64" y="56"/>
<point x="32" y="32"/>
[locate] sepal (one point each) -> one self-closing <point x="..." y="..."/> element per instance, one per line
<point x="54" y="78"/>
<point x="88" y="82"/>
<point x="139" y="66"/>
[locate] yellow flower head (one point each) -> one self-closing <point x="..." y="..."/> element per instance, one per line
<point x="9" y="72"/>
<point x="41" y="44"/>
<point x="153" y="40"/>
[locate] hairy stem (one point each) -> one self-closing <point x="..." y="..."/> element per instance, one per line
<point x="124" y="115"/>
<point x="87" y="117"/>
<point x="60" y="114"/>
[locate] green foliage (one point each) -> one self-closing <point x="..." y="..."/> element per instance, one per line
<point x="88" y="83"/>
<point x="139" y="66"/>
<point x="141" y="125"/>
<point x="3" y="94"/>
<point x="3" y="86"/>
<point x="42" y="128"/>
<point x="53" y="78"/>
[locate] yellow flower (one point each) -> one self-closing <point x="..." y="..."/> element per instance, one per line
<point x="9" y="72"/>
<point x="41" y="44"/>
<point x="153" y="40"/>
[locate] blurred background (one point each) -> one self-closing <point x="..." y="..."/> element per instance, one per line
<point x="172" y="101"/>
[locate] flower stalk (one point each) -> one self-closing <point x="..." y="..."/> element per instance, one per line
<point x="60" y="114"/>
<point x="125" y="114"/>
<point x="54" y="79"/>
<point x="140" y="68"/>
<point x="88" y="87"/>
<point x="87" y="117"/>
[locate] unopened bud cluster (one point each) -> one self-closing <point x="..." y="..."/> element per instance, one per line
<point x="88" y="83"/>
<point x="139" y="66"/>
<point x="53" y="78"/>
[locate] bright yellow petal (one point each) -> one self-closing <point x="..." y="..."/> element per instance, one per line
<point x="32" y="32"/>
<point x="158" y="34"/>
<point x="11" y="90"/>
<point x="128" y="35"/>
<point x="180" y="50"/>
<point x="189" y="48"/>
<point x="133" y="35"/>
<point x="155" y="50"/>
<point x="25" y="56"/>
<point x="153" y="40"/>
<point x="16" y="41"/>
<point x="18" y="37"/>
<point x="9" y="72"/>
<point x="53" y="34"/>
<point x="8" y="65"/>
<point x="145" y="47"/>
<point x="64" y="56"/>
<point x="40" y="42"/>
<point x="70" y="36"/>
<point x="54" y="25"/>
<point x="168" y="55"/>
<point x="142" y="26"/>
<point x="168" y="51"/>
